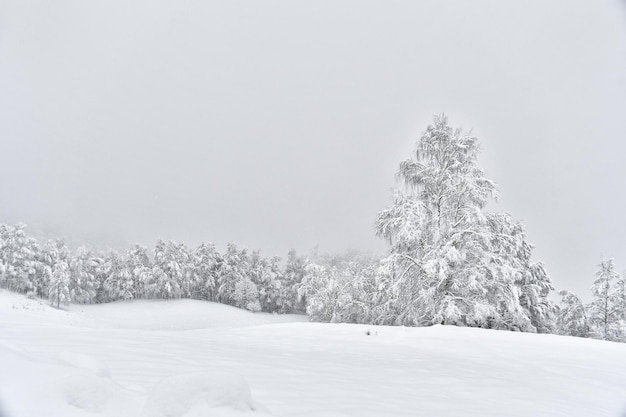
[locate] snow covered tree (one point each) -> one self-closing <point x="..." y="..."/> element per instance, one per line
<point x="83" y="284"/>
<point x="266" y="274"/>
<point x="333" y="294"/>
<point x="100" y="266"/>
<point x="234" y="268"/>
<point x="572" y="317"/>
<point x="233" y="283"/>
<point x="450" y="262"/>
<point x="360" y="295"/>
<point x="119" y="283"/>
<point x="322" y="289"/>
<point x="59" y="292"/>
<point x="619" y="298"/>
<point x="187" y="279"/>
<point x="205" y="263"/>
<point x="246" y="295"/>
<point x="172" y="271"/>
<point x="291" y="298"/>
<point x="52" y="252"/>
<point x="341" y="287"/>
<point x="161" y="285"/>
<point x="511" y="262"/>
<point x="18" y="258"/>
<point x="604" y="314"/>
<point x="139" y="265"/>
<point x="41" y="279"/>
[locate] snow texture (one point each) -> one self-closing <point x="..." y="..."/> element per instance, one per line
<point x="199" y="394"/>
<point x="52" y="363"/>
<point x="85" y="362"/>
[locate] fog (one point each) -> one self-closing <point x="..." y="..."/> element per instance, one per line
<point x="281" y="124"/>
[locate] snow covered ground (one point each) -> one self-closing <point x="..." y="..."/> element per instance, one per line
<point x="189" y="358"/>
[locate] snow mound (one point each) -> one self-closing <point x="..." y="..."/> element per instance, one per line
<point x="18" y="310"/>
<point x="79" y="392"/>
<point x="177" y="315"/>
<point x="86" y="362"/>
<point x="85" y="392"/>
<point x="40" y="387"/>
<point x="201" y="394"/>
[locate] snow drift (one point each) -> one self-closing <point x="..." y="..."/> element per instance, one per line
<point x="78" y="363"/>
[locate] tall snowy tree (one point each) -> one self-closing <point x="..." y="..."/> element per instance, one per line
<point x="234" y="283"/>
<point x="604" y="314"/>
<point x="619" y="298"/>
<point x="450" y="262"/>
<point x="140" y="268"/>
<point x="172" y="272"/>
<point x="100" y="266"/>
<point x="119" y="283"/>
<point x="18" y="258"/>
<point x="266" y="274"/>
<point x="52" y="252"/>
<point x="187" y="279"/>
<point x="60" y="285"/>
<point x="83" y="282"/>
<point x="322" y="290"/>
<point x="205" y="262"/>
<point x="292" y="299"/>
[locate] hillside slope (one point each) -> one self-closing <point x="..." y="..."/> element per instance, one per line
<point x="189" y="358"/>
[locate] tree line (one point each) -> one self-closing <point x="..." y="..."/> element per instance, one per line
<point x="450" y="261"/>
<point x="236" y="277"/>
<point x="602" y="318"/>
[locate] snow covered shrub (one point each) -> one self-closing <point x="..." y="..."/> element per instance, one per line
<point x="246" y="295"/>
<point x="322" y="290"/>
<point x="336" y="293"/>
<point x="572" y="318"/>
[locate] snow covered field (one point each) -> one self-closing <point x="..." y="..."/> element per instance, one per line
<point x="191" y="358"/>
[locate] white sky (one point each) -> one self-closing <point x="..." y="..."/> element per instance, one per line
<point x="281" y="124"/>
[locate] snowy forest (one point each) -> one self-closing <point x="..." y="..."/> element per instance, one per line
<point x="449" y="261"/>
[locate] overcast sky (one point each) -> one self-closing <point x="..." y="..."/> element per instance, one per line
<point x="281" y="124"/>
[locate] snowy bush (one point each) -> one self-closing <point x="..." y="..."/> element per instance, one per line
<point x="572" y="318"/>
<point x="246" y="295"/>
